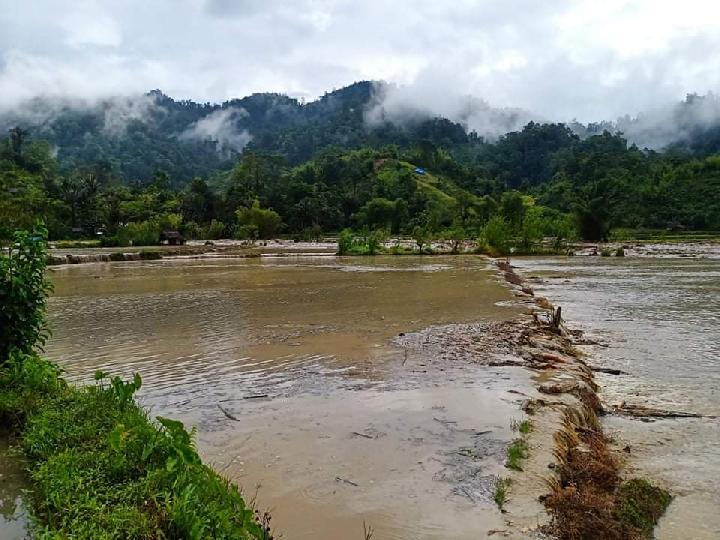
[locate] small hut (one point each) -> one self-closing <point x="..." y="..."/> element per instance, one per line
<point x="171" y="238"/>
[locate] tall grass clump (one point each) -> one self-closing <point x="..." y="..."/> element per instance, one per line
<point x="99" y="466"/>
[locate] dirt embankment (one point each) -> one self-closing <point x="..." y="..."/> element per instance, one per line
<point x="582" y="488"/>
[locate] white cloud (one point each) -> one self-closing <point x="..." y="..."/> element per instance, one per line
<point x="562" y="59"/>
<point x="221" y="126"/>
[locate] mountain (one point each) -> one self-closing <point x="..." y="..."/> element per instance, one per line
<point x="134" y="137"/>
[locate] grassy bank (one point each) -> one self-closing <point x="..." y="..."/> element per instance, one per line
<point x="98" y="465"/>
<point x="101" y="468"/>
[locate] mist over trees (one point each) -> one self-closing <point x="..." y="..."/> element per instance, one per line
<point x="268" y="164"/>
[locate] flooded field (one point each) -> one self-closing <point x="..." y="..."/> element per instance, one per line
<point x="288" y="368"/>
<point x="658" y="316"/>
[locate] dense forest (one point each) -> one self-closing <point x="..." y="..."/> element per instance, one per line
<point x="265" y="165"/>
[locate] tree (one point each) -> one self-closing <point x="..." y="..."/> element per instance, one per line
<point x="421" y="236"/>
<point x="265" y="220"/>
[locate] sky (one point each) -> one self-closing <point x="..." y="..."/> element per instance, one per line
<point x="561" y="59"/>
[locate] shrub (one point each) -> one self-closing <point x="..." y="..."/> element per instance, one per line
<point x="246" y="232"/>
<point x="23" y="290"/>
<point x="143" y="233"/>
<point x="265" y="220"/>
<point x="345" y="242"/>
<point x="497" y="234"/>
<point x="215" y="230"/>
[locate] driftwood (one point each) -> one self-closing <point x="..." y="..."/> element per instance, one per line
<point x="346" y="481"/>
<point x="255" y="396"/>
<point x="609" y="371"/>
<point x="228" y="414"/>
<point x="640" y="411"/>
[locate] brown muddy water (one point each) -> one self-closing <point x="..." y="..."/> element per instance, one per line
<point x="658" y="316"/>
<point x="335" y="423"/>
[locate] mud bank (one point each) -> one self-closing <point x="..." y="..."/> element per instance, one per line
<point x="582" y="488"/>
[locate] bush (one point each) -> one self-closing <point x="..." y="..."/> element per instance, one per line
<point x="215" y="230"/>
<point x="265" y="220"/>
<point x="497" y="235"/>
<point x="345" y="242"/>
<point x="365" y="243"/>
<point x="23" y="290"/>
<point x="246" y="232"/>
<point x="144" y="233"/>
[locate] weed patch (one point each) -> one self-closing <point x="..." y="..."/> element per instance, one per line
<point x="500" y="494"/>
<point x="516" y="453"/>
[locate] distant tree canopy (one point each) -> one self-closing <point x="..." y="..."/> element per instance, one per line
<point x="316" y="167"/>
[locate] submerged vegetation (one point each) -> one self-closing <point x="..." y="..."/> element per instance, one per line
<point x="99" y="466"/>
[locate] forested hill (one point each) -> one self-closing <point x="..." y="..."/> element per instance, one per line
<point x="154" y="162"/>
<point x="133" y="137"/>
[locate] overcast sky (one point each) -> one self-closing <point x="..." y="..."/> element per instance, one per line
<point x="561" y="59"/>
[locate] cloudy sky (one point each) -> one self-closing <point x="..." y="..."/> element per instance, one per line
<point x="561" y="59"/>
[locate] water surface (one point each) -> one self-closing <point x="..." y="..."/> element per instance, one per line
<point x="659" y="317"/>
<point x="12" y="482"/>
<point x="334" y="423"/>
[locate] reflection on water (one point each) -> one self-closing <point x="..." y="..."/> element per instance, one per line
<point x="336" y="423"/>
<point x="660" y="318"/>
<point x="12" y="481"/>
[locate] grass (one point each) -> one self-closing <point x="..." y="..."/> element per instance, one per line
<point x="639" y="505"/>
<point x="500" y="495"/>
<point x="524" y="426"/>
<point x="518" y="449"/>
<point x="100" y="467"/>
<point x="516" y="453"/>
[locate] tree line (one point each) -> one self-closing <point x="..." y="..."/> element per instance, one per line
<point x="543" y="181"/>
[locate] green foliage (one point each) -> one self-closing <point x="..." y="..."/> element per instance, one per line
<point x="99" y="467"/>
<point x="640" y="505"/>
<point x="321" y="166"/>
<point x="145" y="233"/>
<point x="497" y="235"/>
<point x="265" y="221"/>
<point x="523" y="427"/>
<point x="516" y="453"/>
<point x="366" y="242"/>
<point x="500" y="492"/>
<point x="23" y="291"/>
<point x="215" y="230"/>
<point x="421" y="236"/>
<point x="345" y="242"/>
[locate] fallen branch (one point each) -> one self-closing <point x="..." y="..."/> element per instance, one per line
<point x="228" y="414"/>
<point x="609" y="371"/>
<point x="640" y="411"/>
<point x="346" y="481"/>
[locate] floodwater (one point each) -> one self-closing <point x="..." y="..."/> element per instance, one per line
<point x="12" y="481"/>
<point x="287" y="367"/>
<point x="658" y="315"/>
